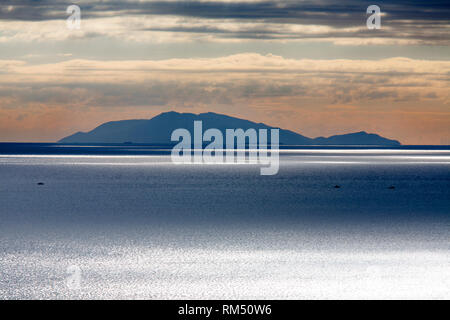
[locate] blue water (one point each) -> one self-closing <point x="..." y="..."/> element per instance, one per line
<point x="139" y="226"/>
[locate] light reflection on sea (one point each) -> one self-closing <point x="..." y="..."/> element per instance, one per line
<point x="138" y="226"/>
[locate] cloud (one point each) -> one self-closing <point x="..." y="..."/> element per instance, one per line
<point x="242" y="79"/>
<point x="344" y="22"/>
<point x="241" y="63"/>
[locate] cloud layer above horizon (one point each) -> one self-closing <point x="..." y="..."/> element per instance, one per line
<point x="341" y="22"/>
<point x="309" y="66"/>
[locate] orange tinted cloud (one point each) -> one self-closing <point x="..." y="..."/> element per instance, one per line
<point x="401" y="98"/>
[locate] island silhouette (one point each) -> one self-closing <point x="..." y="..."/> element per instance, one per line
<point x="158" y="130"/>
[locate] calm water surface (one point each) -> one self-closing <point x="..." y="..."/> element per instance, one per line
<point x="136" y="226"/>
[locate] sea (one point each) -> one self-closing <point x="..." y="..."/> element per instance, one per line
<point x="125" y="222"/>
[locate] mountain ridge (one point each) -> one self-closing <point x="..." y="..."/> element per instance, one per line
<point x="158" y="130"/>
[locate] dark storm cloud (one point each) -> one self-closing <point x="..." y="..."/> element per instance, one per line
<point x="411" y="20"/>
<point x="343" y="13"/>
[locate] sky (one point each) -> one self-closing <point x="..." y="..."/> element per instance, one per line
<point x="309" y="66"/>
